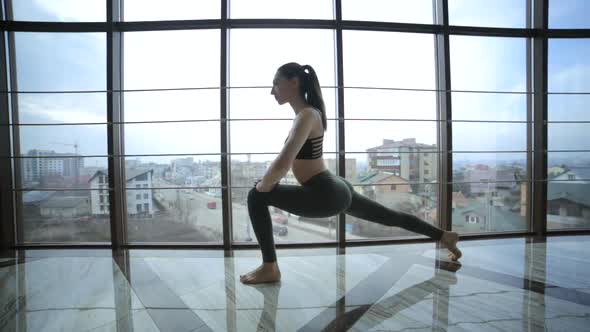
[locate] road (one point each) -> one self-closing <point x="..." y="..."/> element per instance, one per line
<point x="192" y="209"/>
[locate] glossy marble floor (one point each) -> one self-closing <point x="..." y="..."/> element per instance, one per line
<point x="512" y="284"/>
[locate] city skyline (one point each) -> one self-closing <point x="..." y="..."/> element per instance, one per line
<point x="480" y="59"/>
<point x="389" y="93"/>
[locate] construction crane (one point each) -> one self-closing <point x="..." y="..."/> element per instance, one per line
<point x="77" y="165"/>
<point x="75" y="145"/>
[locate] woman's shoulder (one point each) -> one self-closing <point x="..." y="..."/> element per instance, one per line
<point x="314" y="116"/>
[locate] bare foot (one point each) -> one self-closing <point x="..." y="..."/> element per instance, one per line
<point x="449" y="240"/>
<point x="267" y="272"/>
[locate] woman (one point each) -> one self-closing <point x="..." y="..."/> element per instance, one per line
<point x="321" y="194"/>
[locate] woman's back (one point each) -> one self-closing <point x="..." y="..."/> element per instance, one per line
<point x="303" y="169"/>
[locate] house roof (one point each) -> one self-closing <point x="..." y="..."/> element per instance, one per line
<point x="64" y="202"/>
<point x="580" y="172"/>
<point x="132" y="174"/>
<point x="36" y="196"/>
<point x="388" y="144"/>
<point x="378" y="177"/>
<point x="571" y="191"/>
<point x="507" y="220"/>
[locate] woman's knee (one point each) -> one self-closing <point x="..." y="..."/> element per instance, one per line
<point x="255" y="197"/>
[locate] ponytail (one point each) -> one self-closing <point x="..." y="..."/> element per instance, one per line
<point x="309" y="86"/>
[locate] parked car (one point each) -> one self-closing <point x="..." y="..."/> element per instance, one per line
<point x="280" y="219"/>
<point x="280" y="230"/>
<point x="211" y="205"/>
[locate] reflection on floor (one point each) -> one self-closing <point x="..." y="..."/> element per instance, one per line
<point x="502" y="285"/>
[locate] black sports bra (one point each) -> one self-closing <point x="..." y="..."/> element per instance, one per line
<point x="312" y="149"/>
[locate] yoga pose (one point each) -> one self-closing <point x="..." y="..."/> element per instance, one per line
<point x="321" y="193"/>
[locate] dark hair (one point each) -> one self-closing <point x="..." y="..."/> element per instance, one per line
<point x="309" y="86"/>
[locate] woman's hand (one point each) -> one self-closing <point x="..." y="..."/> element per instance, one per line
<point x="263" y="187"/>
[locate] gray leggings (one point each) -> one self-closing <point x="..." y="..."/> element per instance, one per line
<point x="324" y="195"/>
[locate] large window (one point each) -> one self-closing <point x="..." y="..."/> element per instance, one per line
<point x="568" y="173"/>
<point x="193" y="78"/>
<point x="62" y="135"/>
<point x="391" y="132"/>
<point x="172" y="137"/>
<point x="259" y="126"/>
<point x="488" y="77"/>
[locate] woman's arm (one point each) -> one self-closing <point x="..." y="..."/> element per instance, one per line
<point x="302" y="126"/>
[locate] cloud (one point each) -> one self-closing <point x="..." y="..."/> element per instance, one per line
<point x="73" y="10"/>
<point x="62" y="108"/>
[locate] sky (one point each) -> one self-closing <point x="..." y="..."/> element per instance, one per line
<point x="190" y="59"/>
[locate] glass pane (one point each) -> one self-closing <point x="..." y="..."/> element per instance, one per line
<point x="82" y="140"/>
<point x="498" y="13"/>
<point x="568" y="204"/>
<point x="173" y="215"/>
<point x="475" y="174"/>
<point x="394" y="163"/>
<point x="154" y="10"/>
<point x="298" y="9"/>
<point x="473" y="136"/>
<point x="561" y="162"/>
<point x="488" y="63"/>
<point x="568" y="107"/>
<point x="46" y="170"/>
<point x="495" y="167"/>
<point x="172" y="105"/>
<point x="390" y="135"/>
<point x="402" y="11"/>
<point x="389" y="59"/>
<point x="166" y="59"/>
<point x="246" y="169"/>
<point x="286" y="227"/>
<point x="389" y="104"/>
<point x="569" y="14"/>
<point x="59" y="10"/>
<point x="568" y="190"/>
<point x="489" y="207"/>
<point x="418" y="200"/>
<point x="188" y="172"/>
<point x="48" y="108"/>
<point x="60" y="61"/>
<point x="241" y="101"/>
<point x="568" y="136"/>
<point x="65" y="216"/>
<point x="244" y="140"/>
<point x="569" y="65"/>
<point x="489" y="106"/>
<point x="173" y="138"/>
<point x="260" y="69"/>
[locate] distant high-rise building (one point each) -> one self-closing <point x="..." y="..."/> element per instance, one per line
<point x="406" y="158"/>
<point x="40" y="163"/>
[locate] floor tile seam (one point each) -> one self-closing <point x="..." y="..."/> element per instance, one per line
<point x="135" y="292"/>
<point x="488" y="321"/>
<point x="385" y="266"/>
<point x="170" y="291"/>
<point x="478" y="272"/>
<point x="17" y="261"/>
<point x="116" y="321"/>
<point x="261" y="308"/>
